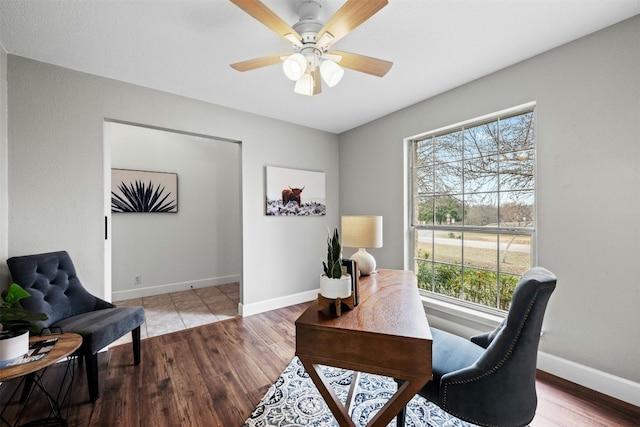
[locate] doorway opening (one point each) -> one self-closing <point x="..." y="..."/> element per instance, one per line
<point x="157" y="254"/>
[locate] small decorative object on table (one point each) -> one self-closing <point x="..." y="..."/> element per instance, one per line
<point x="335" y="283"/>
<point x="352" y="270"/>
<point x="362" y="231"/>
<point x="15" y="323"/>
<point x="335" y="306"/>
<point x="37" y="350"/>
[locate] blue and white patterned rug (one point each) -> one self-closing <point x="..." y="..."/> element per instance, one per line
<point x="294" y="401"/>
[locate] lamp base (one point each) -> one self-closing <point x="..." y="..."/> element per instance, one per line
<point x="366" y="262"/>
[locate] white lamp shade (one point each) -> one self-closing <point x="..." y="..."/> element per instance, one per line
<point x="362" y="231"/>
<point x="294" y="66"/>
<point x="331" y="72"/>
<point x="304" y="85"/>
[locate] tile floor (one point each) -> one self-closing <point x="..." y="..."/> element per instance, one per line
<point x="186" y="309"/>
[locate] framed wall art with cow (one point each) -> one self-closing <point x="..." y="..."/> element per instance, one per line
<point x="295" y="192"/>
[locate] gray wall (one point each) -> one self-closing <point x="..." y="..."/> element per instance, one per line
<point x="588" y="104"/>
<point x="4" y="210"/>
<point x="198" y="246"/>
<point x="588" y="159"/>
<point x="57" y="176"/>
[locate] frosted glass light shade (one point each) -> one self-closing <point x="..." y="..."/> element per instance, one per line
<point x="294" y="66"/>
<point x="304" y="85"/>
<point x="362" y="231"/>
<point x="331" y="72"/>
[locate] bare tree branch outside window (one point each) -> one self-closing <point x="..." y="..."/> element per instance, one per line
<point x="475" y="184"/>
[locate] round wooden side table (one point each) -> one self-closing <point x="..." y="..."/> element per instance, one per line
<point x="31" y="374"/>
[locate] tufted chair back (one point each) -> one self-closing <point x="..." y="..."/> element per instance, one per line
<point x="489" y="380"/>
<point x="499" y="388"/>
<point x="55" y="289"/>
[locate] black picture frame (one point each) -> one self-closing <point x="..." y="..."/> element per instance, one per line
<point x="352" y="270"/>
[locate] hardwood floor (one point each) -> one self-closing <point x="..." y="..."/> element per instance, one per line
<point x="214" y="375"/>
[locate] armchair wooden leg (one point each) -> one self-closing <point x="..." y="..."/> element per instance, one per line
<point x="92" y="376"/>
<point x="135" y="337"/>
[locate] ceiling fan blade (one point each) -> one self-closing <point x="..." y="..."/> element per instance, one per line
<point x="252" y="64"/>
<point x="364" y="64"/>
<point x="262" y="13"/>
<point x="348" y="17"/>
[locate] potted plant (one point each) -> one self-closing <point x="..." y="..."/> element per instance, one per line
<point x="335" y="282"/>
<point x="15" y="323"/>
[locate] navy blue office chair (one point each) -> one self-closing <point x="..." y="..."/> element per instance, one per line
<point x="491" y="379"/>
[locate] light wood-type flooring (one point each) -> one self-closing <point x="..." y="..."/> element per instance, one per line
<point x="215" y="374"/>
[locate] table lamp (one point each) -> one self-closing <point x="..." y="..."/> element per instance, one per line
<point x="362" y="231"/>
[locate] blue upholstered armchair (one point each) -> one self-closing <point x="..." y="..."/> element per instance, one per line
<point x="55" y="290"/>
<point x="490" y="380"/>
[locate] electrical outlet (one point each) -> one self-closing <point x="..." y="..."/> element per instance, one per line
<point x="138" y="280"/>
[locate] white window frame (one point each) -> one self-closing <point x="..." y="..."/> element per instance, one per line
<point x="470" y="311"/>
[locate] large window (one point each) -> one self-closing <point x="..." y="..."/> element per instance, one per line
<point x="473" y="208"/>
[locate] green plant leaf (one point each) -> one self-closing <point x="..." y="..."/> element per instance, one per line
<point x="13" y="316"/>
<point x="13" y="294"/>
<point x="333" y="266"/>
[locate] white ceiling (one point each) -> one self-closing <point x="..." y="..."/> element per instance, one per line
<point x="185" y="47"/>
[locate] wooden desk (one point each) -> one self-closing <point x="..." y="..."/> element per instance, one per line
<point x="33" y="371"/>
<point x="386" y="334"/>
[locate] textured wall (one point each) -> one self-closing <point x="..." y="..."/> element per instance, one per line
<point x="57" y="176"/>
<point x="4" y="212"/>
<point x="588" y="157"/>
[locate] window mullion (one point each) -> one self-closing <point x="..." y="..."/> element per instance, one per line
<point x="486" y="189"/>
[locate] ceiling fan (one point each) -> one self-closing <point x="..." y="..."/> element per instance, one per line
<point x="312" y="57"/>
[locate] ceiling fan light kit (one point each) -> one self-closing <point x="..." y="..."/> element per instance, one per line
<point x="311" y="60"/>
<point x="304" y="85"/>
<point x="331" y="72"/>
<point x="294" y="66"/>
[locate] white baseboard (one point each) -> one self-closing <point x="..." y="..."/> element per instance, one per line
<point x="611" y="385"/>
<point x="465" y="323"/>
<point x="173" y="287"/>
<point x="275" y="303"/>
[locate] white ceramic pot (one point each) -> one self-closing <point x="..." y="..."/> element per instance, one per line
<point x="11" y="348"/>
<point x="335" y="288"/>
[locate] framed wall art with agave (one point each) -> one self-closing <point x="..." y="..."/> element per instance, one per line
<point x="143" y="191"/>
